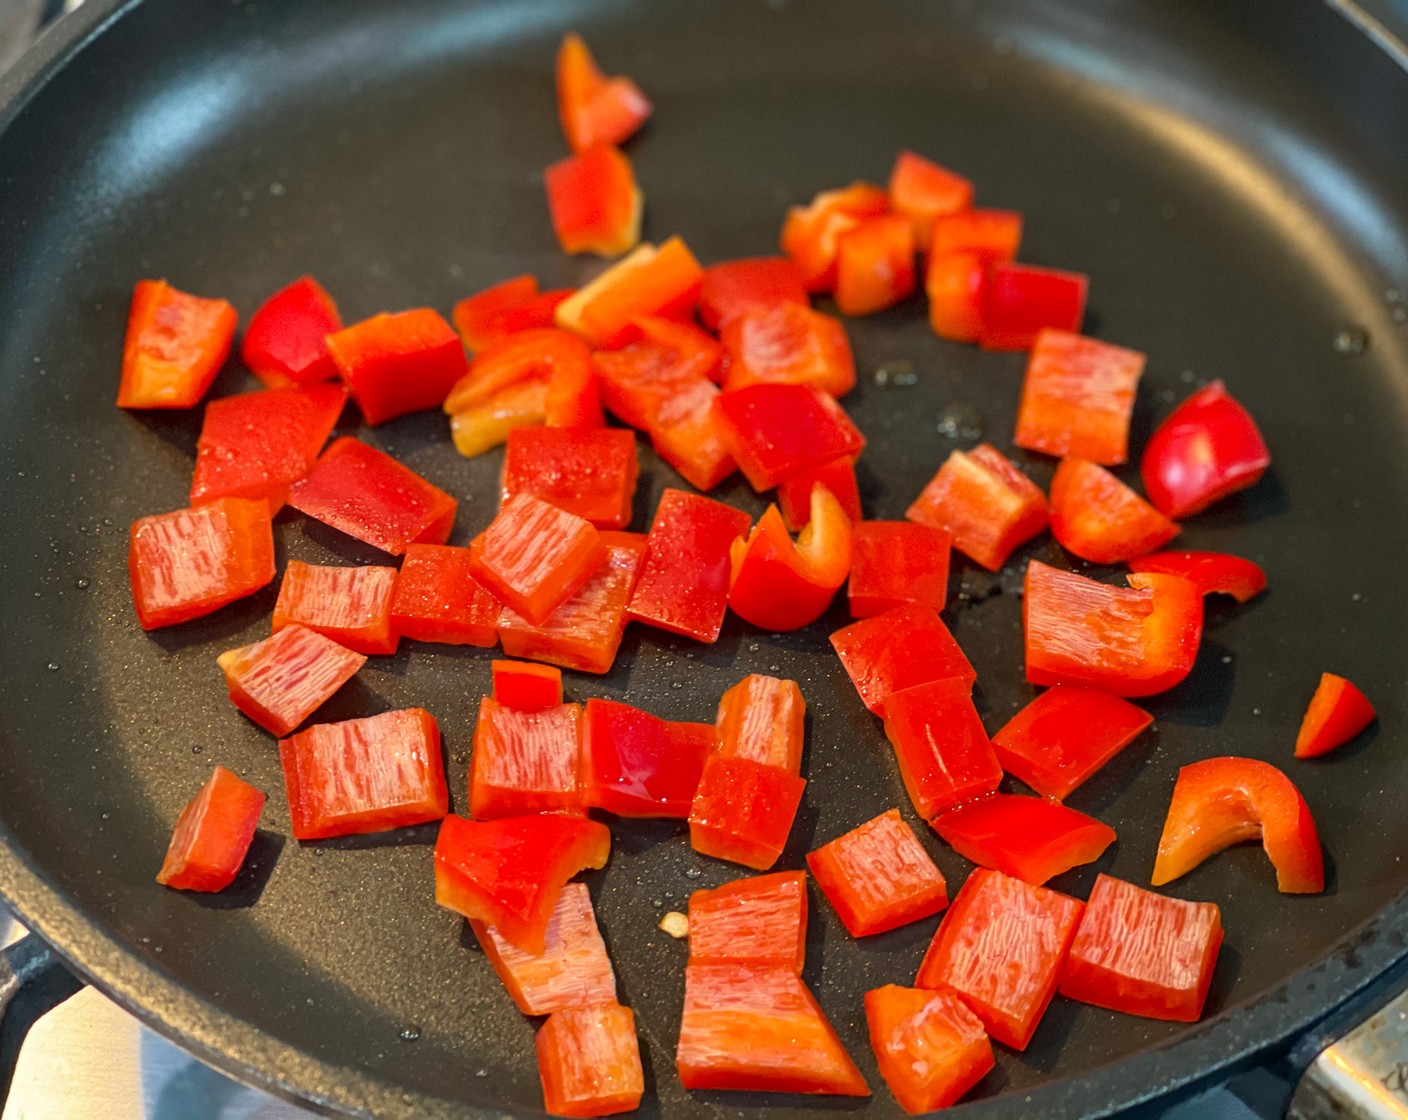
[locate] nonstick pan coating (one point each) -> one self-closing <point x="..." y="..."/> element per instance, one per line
<point x="1230" y="176"/>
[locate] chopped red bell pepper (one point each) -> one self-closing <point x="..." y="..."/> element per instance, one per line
<point x="281" y="681"/>
<point x="1337" y="713"/>
<point x="662" y="282"/>
<point x="526" y="687"/>
<point x="896" y="650"/>
<point x="176" y="344"/>
<point x="510" y="873"/>
<point x="942" y="750"/>
<point x="878" y="876"/>
<point x="635" y="764"/>
<point x="1209" y="571"/>
<point x="875" y="265"/>
<point x="593" y="108"/>
<point x="507" y="308"/>
<point x="1000" y="948"/>
<point x="897" y="562"/>
<point x="794" y="494"/>
<point x="1131" y="642"/>
<point x="776" y="431"/>
<point x="1077" y="398"/>
<point x="778" y="584"/>
<point x="743" y="810"/>
<point x="930" y="1048"/>
<point x="811" y="234"/>
<point x="438" y="599"/>
<point x="594" y="202"/>
<point x="535" y="557"/>
<point x="992" y="234"/>
<point x="525" y="761"/>
<point x="1097" y="517"/>
<point x="573" y="400"/>
<point x="1143" y="954"/>
<point x="985" y="502"/>
<point x="585" y="632"/>
<point x="286" y="340"/>
<point x="1223" y="801"/>
<point x="477" y="428"/>
<point x="591" y="472"/>
<point x="734" y="287"/>
<point x="761" y="920"/>
<point x="364" y="775"/>
<point x="1021" y="300"/>
<point x="352" y="606"/>
<point x="367" y="494"/>
<point x="763" y="718"/>
<point x="789" y="344"/>
<point x="1029" y="838"/>
<point x="589" y="1061"/>
<point x="758" y="1027"/>
<point x="924" y="192"/>
<point x="1207" y="448"/>
<point x="396" y="364"/>
<point x="190" y="562"/>
<point x="642" y="377"/>
<point x="691" y="436"/>
<point x="1065" y="735"/>
<point x="955" y="285"/>
<point x="683" y="584"/>
<point x="212" y="835"/>
<point x="538" y="356"/>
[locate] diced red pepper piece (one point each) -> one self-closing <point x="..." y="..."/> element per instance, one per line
<point x="593" y="108"/>
<point x="1001" y="948"/>
<point x="896" y="650"/>
<point x="1337" y="713"/>
<point x="930" y="1048"/>
<point x="438" y="599"/>
<point x="1132" y="642"/>
<point x="743" y="811"/>
<point x="1029" y="838"/>
<point x="1207" y="448"/>
<point x="535" y="557"/>
<point x="1077" y="398"/>
<point x="878" y="876"/>
<point x="992" y="234"/>
<point x="691" y="436"/>
<point x="1223" y="801"/>
<point x="364" y="775"/>
<point x="635" y="764"/>
<point x="776" y="431"/>
<point x="594" y="202"/>
<point x="352" y="606"/>
<point x="589" y="1061"/>
<point x="985" y="502"/>
<point x="924" y="192"/>
<point x="542" y="355"/>
<point x="1065" y="735"/>
<point x="281" y="681"/>
<point x="1021" y="300"/>
<point x="591" y="472"/>
<point x="788" y="344"/>
<point x="585" y="632"/>
<point x="190" y="562"/>
<point x="395" y="364"/>
<point x="734" y="287"/>
<point x="367" y="494"/>
<point x="875" y="265"/>
<point x="286" y="340"/>
<point x="810" y="234"/>
<point x="1097" y="517"/>
<point x="761" y="920"/>
<point x="212" y="835"/>
<point x="663" y="282"/>
<point x="1209" y="572"/>
<point x="573" y="399"/>
<point x="526" y="687"/>
<point x="510" y="873"/>
<point x="942" y="750"/>
<point x="683" y="584"/>
<point x="763" y="718"/>
<point x="641" y="378"/>
<point x="175" y="345"/>
<point x="897" y="562"/>
<point x="758" y="1027"/>
<point x="525" y="762"/>
<point x="794" y="494"/>
<point x="955" y="285"/>
<point x="1143" y="954"/>
<point x="507" y="308"/>
<point x="778" y="584"/>
<point x="477" y="428"/>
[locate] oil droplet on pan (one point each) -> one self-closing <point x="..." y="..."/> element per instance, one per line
<point x="1350" y="340"/>
<point x="960" y="420"/>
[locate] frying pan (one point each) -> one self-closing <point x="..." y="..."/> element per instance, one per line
<point x="1230" y="175"/>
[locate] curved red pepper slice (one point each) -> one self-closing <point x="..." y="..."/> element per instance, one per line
<point x="930" y="1048"/>
<point x="593" y="108"/>
<point x="777" y="584"/>
<point x="1099" y="518"/>
<point x="1029" y="838"/>
<point x="175" y="345"/>
<point x="1223" y="801"/>
<point x="1207" y="448"/>
<point x="1209" y="571"/>
<point x="212" y="835"/>
<point x="875" y="265"/>
<point x="1337" y="713"/>
<point x="540" y="355"/>
<point x="286" y="340"/>
<point x="794" y="495"/>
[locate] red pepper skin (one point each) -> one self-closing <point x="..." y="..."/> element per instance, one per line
<point x="1222" y="801"/>
<point x="1001" y="948"/>
<point x="1133" y="642"/>
<point x="930" y="1048"/>
<point x="1337" y="713"/>
<point x="352" y="606"/>
<point x="763" y="718"/>
<point x="589" y="1061"/>
<point x="1097" y="517"/>
<point x="187" y="563"/>
<point x="986" y="504"/>
<point x="510" y="873"/>
<point x="779" y="585"/>
<point x="1208" y="571"/>
<point x="683" y="584"/>
<point x="661" y="282"/>
<point x="734" y="287"/>
<point x="1077" y="398"/>
<point x="367" y="494"/>
<point x="1020" y="301"/>
<point x="894" y="563"/>
<point x="175" y="345"/>
<point x="760" y="920"/>
<point x="212" y="835"/>
<point x="811" y="234"/>
<point x="535" y="557"/>
<point x="993" y="234"/>
<point x="285" y="342"/>
<point x="525" y="762"/>
<point x="878" y="876"/>
<point x="896" y="650"/>
<point x="1065" y="735"/>
<point x="526" y="687"/>
<point x="396" y="364"/>
<point x="875" y="265"/>
<point x="924" y="192"/>
<point x="593" y="108"/>
<point x="1143" y="954"/>
<point x="635" y="764"/>
<point x="438" y="599"/>
<point x="543" y="355"/>
<point x="507" y="308"/>
<point x="594" y="202"/>
<point x="1029" y="838"/>
<point x="776" y="431"/>
<point x="955" y="284"/>
<point x="1207" y="448"/>
<point x="364" y="775"/>
<point x="591" y="472"/>
<point x="788" y="344"/>
<point x="281" y="681"/>
<point x="794" y="495"/>
<point x="743" y="811"/>
<point x="942" y="750"/>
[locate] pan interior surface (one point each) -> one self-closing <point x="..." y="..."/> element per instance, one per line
<point x="1229" y="182"/>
